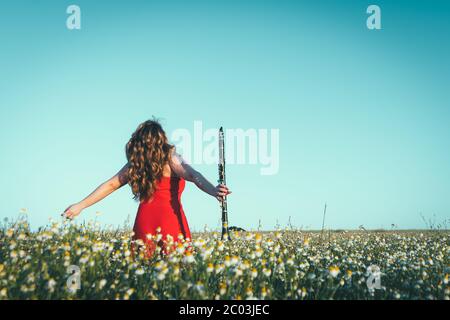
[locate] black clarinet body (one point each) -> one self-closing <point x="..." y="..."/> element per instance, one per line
<point x="222" y="180"/>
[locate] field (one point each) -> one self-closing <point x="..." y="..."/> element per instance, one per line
<point x="66" y="261"/>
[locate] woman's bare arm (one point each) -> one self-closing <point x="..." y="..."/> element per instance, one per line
<point x="184" y="170"/>
<point x="101" y="192"/>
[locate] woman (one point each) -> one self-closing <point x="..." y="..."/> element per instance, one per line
<point x="156" y="175"/>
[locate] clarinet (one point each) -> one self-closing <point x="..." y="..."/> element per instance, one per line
<point x="222" y="180"/>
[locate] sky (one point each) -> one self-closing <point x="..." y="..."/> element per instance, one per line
<point x="362" y="115"/>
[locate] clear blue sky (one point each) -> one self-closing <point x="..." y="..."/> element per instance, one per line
<point x="363" y="115"/>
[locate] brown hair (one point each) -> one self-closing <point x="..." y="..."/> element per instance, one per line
<point x="147" y="152"/>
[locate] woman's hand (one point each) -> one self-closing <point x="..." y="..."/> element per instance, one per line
<point x="102" y="191"/>
<point x="72" y="211"/>
<point x="221" y="191"/>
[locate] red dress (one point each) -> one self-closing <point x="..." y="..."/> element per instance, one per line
<point x="165" y="212"/>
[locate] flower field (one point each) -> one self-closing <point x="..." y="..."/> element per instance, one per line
<point x="68" y="261"/>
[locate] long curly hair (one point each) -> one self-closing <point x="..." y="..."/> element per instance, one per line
<point x="147" y="152"/>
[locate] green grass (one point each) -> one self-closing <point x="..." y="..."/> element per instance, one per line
<point x="268" y="265"/>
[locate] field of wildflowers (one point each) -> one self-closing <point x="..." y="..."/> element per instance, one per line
<point x="282" y="264"/>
